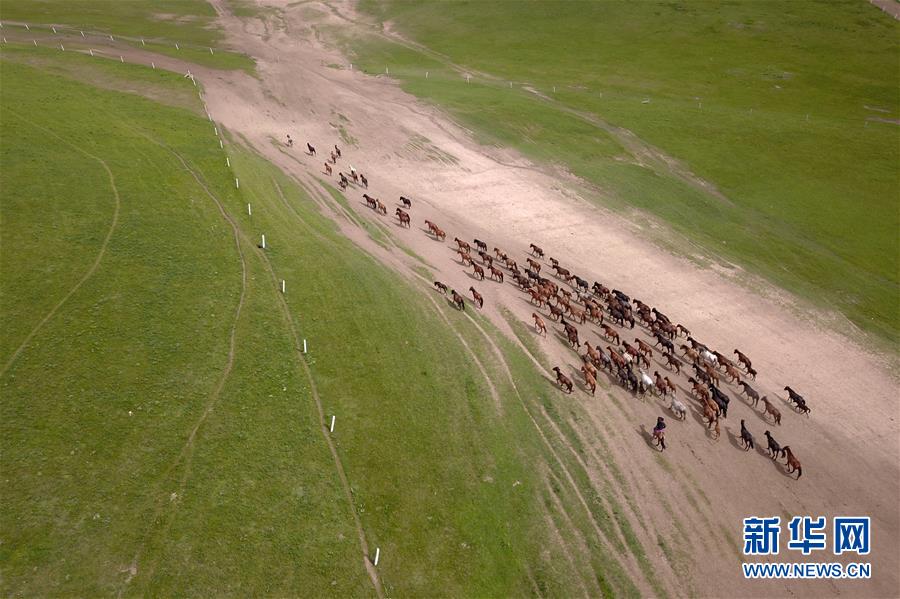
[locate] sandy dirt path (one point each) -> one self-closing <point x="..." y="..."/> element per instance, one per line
<point x="696" y="494"/>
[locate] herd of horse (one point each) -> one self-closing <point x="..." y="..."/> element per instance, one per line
<point x="570" y="300"/>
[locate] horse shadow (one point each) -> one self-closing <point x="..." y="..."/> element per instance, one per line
<point x="735" y="440"/>
<point x="783" y="469"/>
<point x="450" y="302"/>
<point x="763" y="451"/>
<point x="474" y="277"/>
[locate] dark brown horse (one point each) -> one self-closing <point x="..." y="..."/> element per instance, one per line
<point x="562" y="380"/>
<point x="458" y="300"/>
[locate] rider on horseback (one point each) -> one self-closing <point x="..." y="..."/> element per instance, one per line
<point x="659" y="432"/>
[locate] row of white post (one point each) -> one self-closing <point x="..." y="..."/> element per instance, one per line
<point x="111" y="38"/>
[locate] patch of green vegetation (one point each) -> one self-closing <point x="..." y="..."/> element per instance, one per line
<point x="108" y="74"/>
<point x="161" y="23"/>
<point x="130" y="454"/>
<point x="808" y="201"/>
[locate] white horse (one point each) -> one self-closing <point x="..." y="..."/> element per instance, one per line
<point x="710" y="357"/>
<point x="678" y="409"/>
<point x="646" y="380"/>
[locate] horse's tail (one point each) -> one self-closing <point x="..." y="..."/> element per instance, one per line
<point x="799" y="472"/>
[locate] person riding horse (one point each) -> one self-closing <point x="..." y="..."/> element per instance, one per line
<point x="659" y="432"/>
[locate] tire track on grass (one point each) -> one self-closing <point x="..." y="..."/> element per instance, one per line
<point x="565" y="470"/>
<point x="90" y="272"/>
<point x="187" y="451"/>
<point x="292" y="329"/>
<point x="637" y="574"/>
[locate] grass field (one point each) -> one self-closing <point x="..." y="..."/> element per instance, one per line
<point x="790" y="111"/>
<point x="160" y="430"/>
<point x="161" y="23"/>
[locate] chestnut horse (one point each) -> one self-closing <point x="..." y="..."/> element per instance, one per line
<point x="476" y="297"/>
<point x="539" y="325"/>
<point x="792" y="461"/>
<point x="771" y="409"/>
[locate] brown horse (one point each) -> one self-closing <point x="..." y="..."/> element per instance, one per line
<point x="441" y="287"/>
<point x="572" y="334"/>
<point x="732" y="373"/>
<point x="792" y="461"/>
<point x="439" y="233"/>
<point x="610" y="333"/>
<point x="578" y="315"/>
<point x="370" y="201"/>
<point x="328" y="170"/>
<point x="592" y="352"/>
<point x="496" y="273"/>
<point x="536" y="250"/>
<point x="672" y="362"/>
<point x="458" y="300"/>
<point x="659" y="384"/>
<point x="743" y="359"/>
<point x="555" y="312"/>
<point x="536" y="297"/>
<point x="690" y="353"/>
<point x="771" y="409"/>
<point x="464" y="257"/>
<point x="476" y="297"/>
<point x="589" y="380"/>
<point x="539" y="325"/>
<point x="463" y="245"/>
<point x="404" y="218"/>
<point x="643" y="348"/>
<point x="671" y="386"/>
<point x="534" y="264"/>
<point x="562" y="380"/>
<point x="379" y="207"/>
<point x="478" y="271"/>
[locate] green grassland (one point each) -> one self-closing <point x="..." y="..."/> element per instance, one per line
<point x="160" y="431"/>
<point x="785" y="109"/>
<point x="161" y="23"/>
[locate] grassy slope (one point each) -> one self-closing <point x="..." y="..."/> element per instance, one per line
<point x="257" y="508"/>
<point x="812" y="204"/>
<point x="161" y="23"/>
